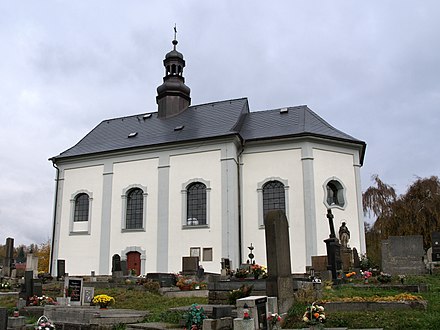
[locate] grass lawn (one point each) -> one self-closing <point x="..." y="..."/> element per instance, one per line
<point x="387" y="319"/>
<point x="405" y="319"/>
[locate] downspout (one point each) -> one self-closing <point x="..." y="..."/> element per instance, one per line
<point x="239" y="204"/>
<point x="54" y="217"/>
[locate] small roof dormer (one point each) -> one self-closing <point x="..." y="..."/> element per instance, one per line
<point x="173" y="96"/>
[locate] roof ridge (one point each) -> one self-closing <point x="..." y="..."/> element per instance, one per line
<point x="322" y="120"/>
<point x="209" y="103"/>
<point x="278" y="109"/>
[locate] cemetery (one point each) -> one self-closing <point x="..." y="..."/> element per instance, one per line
<point x="338" y="289"/>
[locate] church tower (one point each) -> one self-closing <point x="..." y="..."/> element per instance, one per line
<point x="173" y="96"/>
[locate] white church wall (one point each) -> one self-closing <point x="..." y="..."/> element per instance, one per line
<point x="204" y="166"/>
<point x="260" y="164"/>
<point x="336" y="164"/>
<point x="127" y="174"/>
<point x="81" y="251"/>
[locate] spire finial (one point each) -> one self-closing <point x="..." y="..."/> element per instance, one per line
<point x="175" y="36"/>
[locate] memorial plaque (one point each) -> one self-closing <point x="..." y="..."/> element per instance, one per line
<point x="88" y="294"/>
<point x="73" y="288"/>
<point x="190" y="265"/>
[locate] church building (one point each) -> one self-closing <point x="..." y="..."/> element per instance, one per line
<point x="197" y="180"/>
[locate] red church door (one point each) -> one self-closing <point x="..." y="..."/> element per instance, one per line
<point x="134" y="262"/>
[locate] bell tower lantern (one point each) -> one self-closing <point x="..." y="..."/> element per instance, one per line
<point x="173" y="96"/>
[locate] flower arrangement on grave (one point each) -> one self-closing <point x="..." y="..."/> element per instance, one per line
<point x="194" y="317"/>
<point x="314" y="314"/>
<point x="5" y="285"/>
<point x="103" y="300"/>
<point x="43" y="323"/>
<point x="40" y="301"/>
<point x="350" y="276"/>
<point x="242" y="292"/>
<point x="185" y="282"/>
<point x="384" y="278"/>
<point x="258" y="270"/>
<point x="241" y="273"/>
<point x="366" y="274"/>
<point x="274" y="320"/>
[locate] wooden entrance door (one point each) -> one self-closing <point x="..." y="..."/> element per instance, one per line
<point x="134" y="262"/>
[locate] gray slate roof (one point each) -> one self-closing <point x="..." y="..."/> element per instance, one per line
<point x="205" y="121"/>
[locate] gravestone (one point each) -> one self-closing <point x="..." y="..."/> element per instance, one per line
<point x="61" y="268"/>
<point x="403" y="255"/>
<point x="257" y="306"/>
<point x="435" y="255"/>
<point x="124" y="267"/>
<point x="333" y="249"/>
<point x="116" y="266"/>
<point x="190" y="265"/>
<point x="9" y="257"/>
<point x="356" y="260"/>
<point x="28" y="287"/>
<point x="32" y="264"/>
<point x="88" y="294"/>
<point x="279" y="281"/>
<point x="3" y="318"/>
<point x="73" y="287"/>
<point x="319" y="263"/>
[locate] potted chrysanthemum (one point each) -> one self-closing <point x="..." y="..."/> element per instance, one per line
<point x="103" y="300"/>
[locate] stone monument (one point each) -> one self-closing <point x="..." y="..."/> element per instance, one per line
<point x="9" y="258"/>
<point x="333" y="249"/>
<point x="344" y="235"/>
<point x="279" y="282"/>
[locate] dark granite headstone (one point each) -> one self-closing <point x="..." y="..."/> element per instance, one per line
<point x="3" y="318"/>
<point x="116" y="263"/>
<point x="9" y="257"/>
<point x="356" y="260"/>
<point x="28" y="279"/>
<point x="61" y="268"/>
<point x="435" y="246"/>
<point x="279" y="281"/>
<point x="165" y="279"/>
<point x="333" y="249"/>
<point x="124" y="267"/>
<point x="37" y="287"/>
<point x="190" y="265"/>
<point x="219" y="312"/>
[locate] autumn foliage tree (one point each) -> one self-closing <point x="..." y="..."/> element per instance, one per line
<point x="43" y="253"/>
<point x="416" y="212"/>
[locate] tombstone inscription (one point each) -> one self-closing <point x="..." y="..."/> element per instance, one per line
<point x="73" y="289"/>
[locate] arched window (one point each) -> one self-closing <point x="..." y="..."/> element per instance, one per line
<point x="135" y="208"/>
<point x="81" y="212"/>
<point x="273" y="197"/>
<point x="335" y="193"/>
<point x="196" y="204"/>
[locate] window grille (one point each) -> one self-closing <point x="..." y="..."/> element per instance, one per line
<point x="81" y="208"/>
<point x="196" y="204"/>
<point x="135" y="209"/>
<point x="273" y="197"/>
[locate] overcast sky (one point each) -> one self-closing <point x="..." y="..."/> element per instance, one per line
<point x="370" y="68"/>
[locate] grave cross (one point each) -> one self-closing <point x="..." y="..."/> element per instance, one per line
<point x="330" y="221"/>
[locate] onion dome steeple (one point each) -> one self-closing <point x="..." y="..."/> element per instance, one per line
<point x="173" y="96"/>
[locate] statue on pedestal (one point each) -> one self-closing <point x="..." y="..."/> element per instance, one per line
<point x="344" y="235"/>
